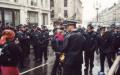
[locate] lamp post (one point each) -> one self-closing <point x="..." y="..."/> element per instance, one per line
<point x="114" y="14"/>
<point x="97" y="8"/>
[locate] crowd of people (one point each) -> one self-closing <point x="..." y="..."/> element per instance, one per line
<point x="81" y="45"/>
<point x="15" y="46"/>
<point x="16" y="42"/>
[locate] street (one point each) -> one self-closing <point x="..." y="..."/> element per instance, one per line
<point x="45" y="68"/>
<point x="59" y="37"/>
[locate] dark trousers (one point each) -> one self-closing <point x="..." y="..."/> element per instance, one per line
<point x="43" y="53"/>
<point x="26" y="51"/>
<point x="56" y="64"/>
<point x="102" y="60"/>
<point x="89" y="61"/>
<point x="72" y="70"/>
<point x="37" y="51"/>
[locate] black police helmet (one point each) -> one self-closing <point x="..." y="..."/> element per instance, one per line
<point x="70" y="22"/>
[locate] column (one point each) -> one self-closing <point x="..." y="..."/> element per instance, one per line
<point x="23" y="16"/>
<point x="49" y="21"/>
<point x="39" y="18"/>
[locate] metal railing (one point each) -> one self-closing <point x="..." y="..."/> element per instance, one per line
<point x="115" y="66"/>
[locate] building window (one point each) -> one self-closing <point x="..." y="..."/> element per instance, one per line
<point x="65" y="13"/>
<point x="33" y="17"/>
<point x="42" y="2"/>
<point x="5" y="0"/>
<point x="0" y="16"/>
<point x="52" y="14"/>
<point x="65" y="3"/>
<point x="8" y="17"/>
<point x="17" y="17"/>
<point x="45" y="19"/>
<point x="15" y="0"/>
<point x="51" y="3"/>
<point x="33" y="2"/>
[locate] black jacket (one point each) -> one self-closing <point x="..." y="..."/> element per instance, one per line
<point x="115" y="40"/>
<point x="11" y="55"/>
<point x="23" y="37"/>
<point x="91" y="42"/>
<point x="105" y="43"/>
<point x="44" y="38"/>
<point x="73" y="47"/>
<point x="35" y="38"/>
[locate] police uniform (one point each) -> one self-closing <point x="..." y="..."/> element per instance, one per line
<point x="24" y="42"/>
<point x="35" y="40"/>
<point x="115" y="42"/>
<point x="73" y="48"/>
<point x="91" y="46"/>
<point x="105" y="46"/>
<point x="43" y="37"/>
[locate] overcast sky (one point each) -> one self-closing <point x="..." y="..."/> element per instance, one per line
<point x="89" y="7"/>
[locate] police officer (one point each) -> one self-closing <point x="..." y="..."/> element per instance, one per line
<point x="105" y="46"/>
<point x="24" y="39"/>
<point x="115" y="40"/>
<point x="35" y="40"/>
<point x="73" y="46"/>
<point x="44" y="43"/>
<point x="91" y="46"/>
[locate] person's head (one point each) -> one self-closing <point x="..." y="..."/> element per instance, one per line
<point x="90" y="28"/>
<point x="71" y="26"/>
<point x="102" y="30"/>
<point x="112" y="27"/>
<point x="38" y="28"/>
<point x="34" y="28"/>
<point x="118" y="29"/>
<point x="23" y="28"/>
<point x="43" y="27"/>
<point x="26" y="27"/>
<point x="8" y="34"/>
<point x="60" y="31"/>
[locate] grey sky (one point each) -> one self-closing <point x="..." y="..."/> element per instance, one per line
<point x="89" y="8"/>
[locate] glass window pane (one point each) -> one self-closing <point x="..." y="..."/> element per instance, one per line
<point x="65" y="3"/>
<point x="52" y="3"/>
<point x="45" y="19"/>
<point x="17" y="17"/>
<point x="0" y="18"/>
<point x="65" y="13"/>
<point x="33" y="17"/>
<point x="8" y="16"/>
<point x="0" y="15"/>
<point x="52" y="14"/>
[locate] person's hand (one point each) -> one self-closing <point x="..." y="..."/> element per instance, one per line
<point x="62" y="57"/>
